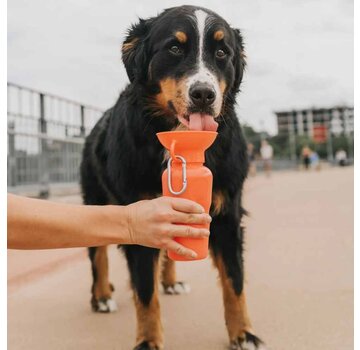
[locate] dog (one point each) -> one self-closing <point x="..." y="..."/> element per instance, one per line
<point x="185" y="67"/>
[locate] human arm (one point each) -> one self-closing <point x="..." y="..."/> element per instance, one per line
<point x="39" y="224"/>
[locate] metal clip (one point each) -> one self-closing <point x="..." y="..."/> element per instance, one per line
<point x="184" y="180"/>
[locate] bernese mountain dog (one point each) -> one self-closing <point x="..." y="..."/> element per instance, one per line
<point x="185" y="67"/>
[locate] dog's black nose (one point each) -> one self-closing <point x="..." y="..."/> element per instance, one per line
<point x="202" y="95"/>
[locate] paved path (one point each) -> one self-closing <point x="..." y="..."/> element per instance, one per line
<point x="299" y="259"/>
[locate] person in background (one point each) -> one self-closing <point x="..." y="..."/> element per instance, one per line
<point x="266" y="152"/>
<point x="315" y="160"/>
<point x="251" y="157"/>
<point x="305" y="153"/>
<point x="341" y="157"/>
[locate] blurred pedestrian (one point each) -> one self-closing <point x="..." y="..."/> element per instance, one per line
<point x="305" y="153"/>
<point x="341" y="157"/>
<point x="251" y="157"/>
<point x="314" y="160"/>
<point x="266" y="152"/>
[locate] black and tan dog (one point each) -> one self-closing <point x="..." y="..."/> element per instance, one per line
<point x="185" y="68"/>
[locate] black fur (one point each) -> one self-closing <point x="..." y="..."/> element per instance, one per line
<point x="145" y="346"/>
<point x="123" y="160"/>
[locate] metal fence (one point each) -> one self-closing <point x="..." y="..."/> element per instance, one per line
<point x="45" y="137"/>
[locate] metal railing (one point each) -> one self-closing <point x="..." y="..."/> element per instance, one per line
<point x="45" y="140"/>
<point x="45" y="137"/>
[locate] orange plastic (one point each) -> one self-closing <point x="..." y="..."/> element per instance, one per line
<point x="190" y="145"/>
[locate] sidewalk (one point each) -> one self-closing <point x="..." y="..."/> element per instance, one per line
<point x="299" y="260"/>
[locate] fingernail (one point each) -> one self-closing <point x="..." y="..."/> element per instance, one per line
<point x="193" y="255"/>
<point x="209" y="218"/>
<point x="206" y="233"/>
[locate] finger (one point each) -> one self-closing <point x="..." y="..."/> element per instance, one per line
<point x="186" y="206"/>
<point x="181" y="250"/>
<point x="182" y="218"/>
<point x="188" y="231"/>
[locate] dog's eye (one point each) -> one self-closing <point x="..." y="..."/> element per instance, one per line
<point x="176" y="50"/>
<point x="220" y="53"/>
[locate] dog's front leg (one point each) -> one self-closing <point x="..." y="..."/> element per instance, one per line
<point x="143" y="265"/>
<point x="226" y="243"/>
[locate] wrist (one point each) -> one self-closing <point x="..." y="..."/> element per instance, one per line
<point x="129" y="215"/>
<point x="111" y="222"/>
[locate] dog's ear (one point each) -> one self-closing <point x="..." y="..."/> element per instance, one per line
<point x="239" y="61"/>
<point x="134" y="53"/>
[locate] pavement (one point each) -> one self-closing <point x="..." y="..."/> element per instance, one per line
<point x="299" y="272"/>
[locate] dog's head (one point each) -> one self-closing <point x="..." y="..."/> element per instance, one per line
<point x="189" y="61"/>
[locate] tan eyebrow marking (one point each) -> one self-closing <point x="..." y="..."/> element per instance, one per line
<point x="218" y="35"/>
<point x="181" y="36"/>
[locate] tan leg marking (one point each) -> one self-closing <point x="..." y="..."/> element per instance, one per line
<point x="168" y="272"/>
<point x="236" y="315"/>
<point x="218" y="203"/>
<point x="149" y="327"/>
<point x="102" y="288"/>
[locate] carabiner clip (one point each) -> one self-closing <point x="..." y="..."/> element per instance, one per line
<point x="184" y="180"/>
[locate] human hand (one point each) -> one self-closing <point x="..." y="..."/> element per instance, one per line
<point x="155" y="223"/>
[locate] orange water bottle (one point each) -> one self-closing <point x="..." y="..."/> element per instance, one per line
<point x="187" y="177"/>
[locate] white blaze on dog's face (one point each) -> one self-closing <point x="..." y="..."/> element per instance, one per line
<point x="202" y="85"/>
<point x="193" y="58"/>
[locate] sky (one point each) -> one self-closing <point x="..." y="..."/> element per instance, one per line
<point x="299" y="52"/>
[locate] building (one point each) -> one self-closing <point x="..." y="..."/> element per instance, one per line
<point x="317" y="122"/>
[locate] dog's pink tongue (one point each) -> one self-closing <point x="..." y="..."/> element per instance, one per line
<point x="202" y="122"/>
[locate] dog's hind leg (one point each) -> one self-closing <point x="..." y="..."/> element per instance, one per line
<point x="168" y="278"/>
<point x="101" y="289"/>
<point x="226" y="244"/>
<point x="143" y="265"/>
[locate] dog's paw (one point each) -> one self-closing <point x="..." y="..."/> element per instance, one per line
<point x="103" y="305"/>
<point x="177" y="288"/>
<point x="250" y="342"/>
<point x="145" y="345"/>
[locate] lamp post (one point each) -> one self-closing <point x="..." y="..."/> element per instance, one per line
<point x="292" y="141"/>
<point x="329" y="145"/>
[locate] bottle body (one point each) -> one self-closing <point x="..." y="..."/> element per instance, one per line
<point x="199" y="189"/>
<point x="189" y="178"/>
